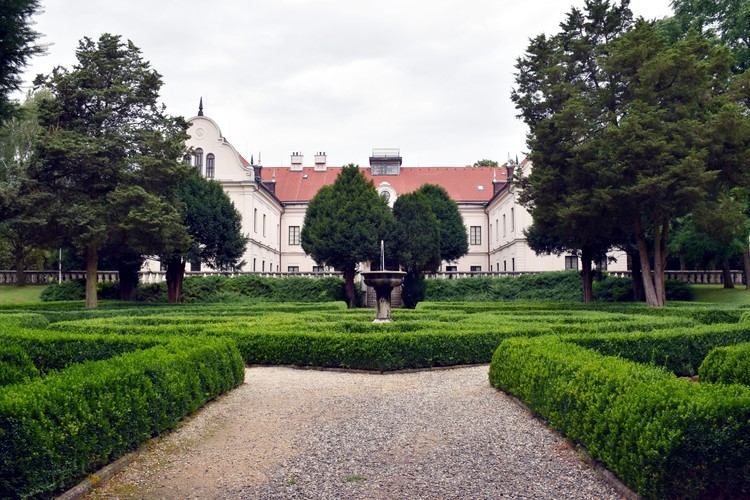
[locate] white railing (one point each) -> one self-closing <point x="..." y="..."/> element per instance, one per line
<point x="49" y="277"/>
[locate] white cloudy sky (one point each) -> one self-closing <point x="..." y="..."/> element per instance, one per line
<point x="432" y="78"/>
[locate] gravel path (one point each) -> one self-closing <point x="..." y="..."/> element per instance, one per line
<point x="290" y="433"/>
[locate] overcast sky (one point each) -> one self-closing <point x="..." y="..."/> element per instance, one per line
<point x="432" y="78"/>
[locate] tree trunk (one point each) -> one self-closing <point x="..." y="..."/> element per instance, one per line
<point x="175" y="275"/>
<point x="661" y="236"/>
<point x="746" y="264"/>
<point x="128" y="273"/>
<point x="349" y="273"/>
<point x="648" y="281"/>
<point x="19" y="255"/>
<point x="587" y="274"/>
<point x="726" y="273"/>
<point x="92" y="263"/>
<point x="637" y="278"/>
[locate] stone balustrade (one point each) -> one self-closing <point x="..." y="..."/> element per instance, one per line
<point x="50" y="277"/>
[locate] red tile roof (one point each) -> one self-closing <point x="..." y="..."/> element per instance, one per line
<point x="462" y="183"/>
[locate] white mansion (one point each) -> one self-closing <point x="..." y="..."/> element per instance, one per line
<point x="273" y="201"/>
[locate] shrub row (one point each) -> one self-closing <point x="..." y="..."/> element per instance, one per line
<point x="550" y="286"/>
<point x="49" y="352"/>
<point x="727" y="365"/>
<point x="55" y="430"/>
<point x="216" y="289"/>
<point x="664" y="437"/>
<point x="15" y="366"/>
<point x="680" y="350"/>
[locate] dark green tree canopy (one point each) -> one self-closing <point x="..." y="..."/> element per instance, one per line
<point x="485" y="163"/>
<point x="17" y="46"/>
<point x="417" y="234"/>
<point x="108" y="158"/>
<point x="213" y="223"/>
<point x="727" y="21"/>
<point x="454" y="241"/>
<point x="345" y="223"/>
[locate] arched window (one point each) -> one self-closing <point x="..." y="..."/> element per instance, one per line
<point x="199" y="159"/>
<point x="187" y="159"/>
<point x="210" y="167"/>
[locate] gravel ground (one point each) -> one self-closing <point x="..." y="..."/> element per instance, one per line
<point x="289" y="433"/>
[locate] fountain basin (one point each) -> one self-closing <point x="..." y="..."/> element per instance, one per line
<point x="383" y="282"/>
<point x="376" y="279"/>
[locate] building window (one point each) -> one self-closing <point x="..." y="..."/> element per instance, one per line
<point x="292" y="269"/>
<point x="505" y="265"/>
<point x="210" y="165"/>
<point x="294" y="235"/>
<point x="263" y="266"/>
<point x="571" y="262"/>
<point x="512" y="220"/>
<point x="318" y="269"/>
<point x="475" y="235"/>
<point x="476" y="269"/>
<point x="187" y="159"/>
<point x="513" y="264"/>
<point x="199" y="159"/>
<point x="254" y="265"/>
<point x="264" y="224"/>
<point x="505" y="232"/>
<point x="195" y="266"/>
<point x="451" y="269"/>
<point x="602" y="264"/>
<point x="255" y="220"/>
<point x="497" y="230"/>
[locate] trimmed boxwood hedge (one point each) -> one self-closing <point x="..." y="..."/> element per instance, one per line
<point x="727" y="365"/>
<point x="664" y="437"/>
<point x="56" y="429"/>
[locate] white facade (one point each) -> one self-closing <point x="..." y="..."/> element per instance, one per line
<point x="272" y="218"/>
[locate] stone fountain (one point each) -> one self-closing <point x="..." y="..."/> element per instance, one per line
<point x="383" y="282"/>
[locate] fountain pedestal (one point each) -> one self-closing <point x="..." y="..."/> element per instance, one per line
<point x="383" y="282"/>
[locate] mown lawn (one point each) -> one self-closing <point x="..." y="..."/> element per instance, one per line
<point x="717" y="294"/>
<point x="20" y="295"/>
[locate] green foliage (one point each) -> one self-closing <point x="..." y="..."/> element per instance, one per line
<point x="17" y="46"/>
<point x="559" y="286"/>
<point x="454" y="241"/>
<point x="108" y="160"/>
<point x="80" y="418"/>
<point x="727" y="365"/>
<point x="344" y="224"/>
<point x="217" y="289"/>
<point x="611" y="289"/>
<point x="724" y="20"/>
<point x="67" y="290"/>
<point x="485" y="163"/>
<point x="27" y="320"/>
<point x="15" y="366"/>
<point x="213" y="222"/>
<point x="664" y="437"/>
<point x="413" y="290"/>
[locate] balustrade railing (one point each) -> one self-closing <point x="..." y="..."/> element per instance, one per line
<point x="50" y="277"/>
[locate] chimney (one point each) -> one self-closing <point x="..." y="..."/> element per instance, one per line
<point x="320" y="162"/>
<point x="499" y="184"/>
<point x="297" y="162"/>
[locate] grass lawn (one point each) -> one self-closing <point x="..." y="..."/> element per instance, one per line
<point x="20" y="295"/>
<point x="718" y="294"/>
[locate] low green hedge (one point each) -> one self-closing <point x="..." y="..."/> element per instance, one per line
<point x="727" y="365"/>
<point x="15" y="366"/>
<point x="57" y="429"/>
<point x="680" y="350"/>
<point x="663" y="436"/>
<point x="28" y="320"/>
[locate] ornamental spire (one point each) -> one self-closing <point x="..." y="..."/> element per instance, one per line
<point x="200" y="107"/>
